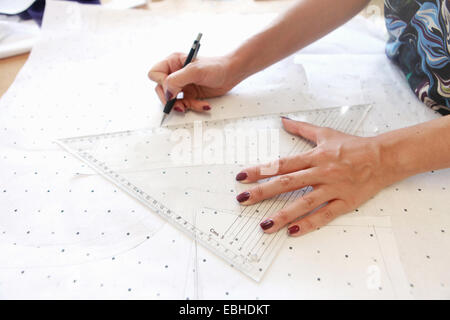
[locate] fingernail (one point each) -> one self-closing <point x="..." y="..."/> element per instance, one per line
<point x="178" y="109"/>
<point x="169" y="95"/>
<point x="241" y="176"/>
<point x="266" y="224"/>
<point x="243" y="196"/>
<point x="206" y="108"/>
<point x="284" y="117"/>
<point x="293" y="229"/>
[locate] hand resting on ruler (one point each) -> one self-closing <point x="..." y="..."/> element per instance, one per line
<point x="344" y="170"/>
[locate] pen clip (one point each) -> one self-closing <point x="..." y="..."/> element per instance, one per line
<point x="197" y="45"/>
<point x="196" y="51"/>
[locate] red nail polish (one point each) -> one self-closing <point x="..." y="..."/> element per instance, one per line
<point x="178" y="109"/>
<point x="243" y="196"/>
<point x="169" y="95"/>
<point x="206" y="108"/>
<point x="293" y="229"/>
<point x="266" y="224"/>
<point x="241" y="176"/>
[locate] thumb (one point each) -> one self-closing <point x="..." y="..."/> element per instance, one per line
<point x="176" y="81"/>
<point x="300" y="128"/>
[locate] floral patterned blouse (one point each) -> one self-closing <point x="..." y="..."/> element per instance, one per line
<point x="419" y="43"/>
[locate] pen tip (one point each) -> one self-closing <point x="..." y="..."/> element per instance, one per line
<point x="162" y="120"/>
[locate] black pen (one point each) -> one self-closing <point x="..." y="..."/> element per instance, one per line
<point x="191" y="56"/>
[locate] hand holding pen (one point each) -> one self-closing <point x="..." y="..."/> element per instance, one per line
<point x="200" y="79"/>
<point x="191" y="56"/>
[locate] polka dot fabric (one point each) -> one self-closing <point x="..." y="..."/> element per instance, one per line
<point x="65" y="232"/>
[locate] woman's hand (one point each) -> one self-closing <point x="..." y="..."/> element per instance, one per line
<point x="202" y="78"/>
<point x="344" y="171"/>
<point x="302" y="24"/>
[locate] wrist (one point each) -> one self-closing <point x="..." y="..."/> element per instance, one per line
<point x="395" y="158"/>
<point x="236" y="68"/>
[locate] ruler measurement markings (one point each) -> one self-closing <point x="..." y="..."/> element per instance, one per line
<point x="322" y="122"/>
<point x="326" y="122"/>
<point x="294" y="193"/>
<point x="235" y="258"/>
<point x="265" y="203"/>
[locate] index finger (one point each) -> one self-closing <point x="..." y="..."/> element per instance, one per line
<point x="162" y="69"/>
<point x="274" y="168"/>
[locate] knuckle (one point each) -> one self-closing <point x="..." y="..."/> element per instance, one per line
<point x="286" y="180"/>
<point x="195" y="67"/>
<point x="194" y="70"/>
<point x="197" y="73"/>
<point x="171" y="84"/>
<point x="153" y="76"/>
<point x="282" y="164"/>
<point x="252" y="172"/>
<point x="269" y="169"/>
<point x="328" y="214"/>
<point x="282" y="216"/>
<point x="167" y="81"/>
<point x="331" y="170"/>
<point x="174" y="55"/>
<point x="307" y="224"/>
<point x="182" y="55"/>
<point x="309" y="201"/>
<point x="258" y="192"/>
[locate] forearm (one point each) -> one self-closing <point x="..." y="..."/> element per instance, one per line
<point x="305" y="22"/>
<point x="420" y="148"/>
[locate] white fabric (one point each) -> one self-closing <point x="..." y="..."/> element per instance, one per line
<point x="14" y="7"/>
<point x="17" y="36"/>
<point x="88" y="75"/>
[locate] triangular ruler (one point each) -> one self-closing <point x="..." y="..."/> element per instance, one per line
<point x="186" y="173"/>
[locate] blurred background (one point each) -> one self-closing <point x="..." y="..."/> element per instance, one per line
<point x="17" y="36"/>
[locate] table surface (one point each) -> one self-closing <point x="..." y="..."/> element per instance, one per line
<point x="9" y="67"/>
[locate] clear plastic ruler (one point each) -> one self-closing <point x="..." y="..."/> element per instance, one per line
<point x="186" y="173"/>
